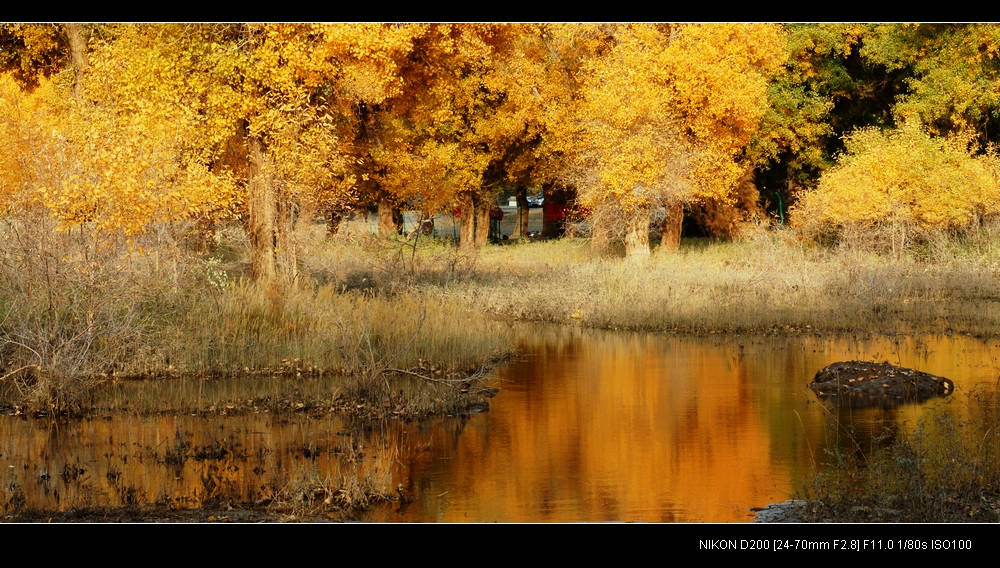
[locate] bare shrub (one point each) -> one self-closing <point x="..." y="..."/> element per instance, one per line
<point x="70" y="311"/>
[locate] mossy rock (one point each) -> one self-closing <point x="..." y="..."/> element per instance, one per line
<point x="864" y="384"/>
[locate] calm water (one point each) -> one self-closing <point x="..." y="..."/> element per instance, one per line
<point x="588" y="426"/>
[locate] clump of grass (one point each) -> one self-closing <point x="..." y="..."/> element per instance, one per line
<point x="70" y="313"/>
<point x="409" y="349"/>
<point x="946" y="471"/>
<point x="354" y="487"/>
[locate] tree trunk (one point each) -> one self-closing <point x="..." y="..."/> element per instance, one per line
<point x="483" y="208"/>
<point x="600" y="236"/>
<point x="205" y="233"/>
<point x="637" y="235"/>
<point x="333" y="220"/>
<point x="467" y="224"/>
<point x="670" y="230"/>
<point x="521" y="220"/>
<point x="78" y="54"/>
<point x="397" y="220"/>
<point x="269" y="224"/>
<point x="386" y="220"/>
<point x="260" y="202"/>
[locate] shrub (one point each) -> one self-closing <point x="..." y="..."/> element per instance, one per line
<point x="901" y="184"/>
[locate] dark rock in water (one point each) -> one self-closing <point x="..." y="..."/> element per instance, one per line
<point x="863" y="384"/>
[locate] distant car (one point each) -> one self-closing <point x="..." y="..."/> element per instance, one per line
<point x="536" y="200"/>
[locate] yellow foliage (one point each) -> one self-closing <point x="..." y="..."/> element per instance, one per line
<point x="462" y="106"/>
<point x="901" y="177"/>
<point x="30" y="51"/>
<point x="665" y="111"/>
<point x="422" y="113"/>
<point x="121" y="157"/>
<point x="161" y="105"/>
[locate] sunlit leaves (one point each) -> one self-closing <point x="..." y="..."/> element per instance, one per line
<point x="86" y="164"/>
<point x="665" y="111"/>
<point x="903" y="177"/>
<point x="32" y="51"/>
<point x="956" y="72"/>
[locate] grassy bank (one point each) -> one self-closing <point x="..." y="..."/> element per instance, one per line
<point x="80" y="313"/>
<point x="762" y="284"/>
<point x="406" y="322"/>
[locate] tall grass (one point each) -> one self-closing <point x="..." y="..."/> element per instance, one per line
<point x="947" y="470"/>
<point x="79" y="311"/>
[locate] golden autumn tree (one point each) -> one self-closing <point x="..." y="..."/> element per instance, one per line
<point x="92" y="153"/>
<point x="663" y="115"/>
<point x="181" y="120"/>
<point x="539" y="74"/>
<point x="914" y="81"/>
<point x="445" y="140"/>
<point x="307" y="82"/>
<point x="902" y="182"/>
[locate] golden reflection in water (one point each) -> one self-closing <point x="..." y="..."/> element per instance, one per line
<point x="637" y="427"/>
<point x="175" y="461"/>
<point x="588" y="426"/>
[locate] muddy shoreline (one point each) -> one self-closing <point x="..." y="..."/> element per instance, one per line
<point x="231" y="513"/>
<point x="271" y="476"/>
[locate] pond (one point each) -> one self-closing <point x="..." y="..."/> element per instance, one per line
<point x="588" y="426"/>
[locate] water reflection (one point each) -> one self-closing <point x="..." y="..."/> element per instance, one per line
<point x="597" y="426"/>
<point x="177" y="462"/>
<point x="588" y="426"/>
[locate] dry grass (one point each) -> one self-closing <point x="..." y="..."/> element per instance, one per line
<point x="948" y="470"/>
<point x="353" y="487"/>
<point x="70" y="313"/>
<point x="401" y="315"/>
<point x="770" y="282"/>
<point x="79" y="312"/>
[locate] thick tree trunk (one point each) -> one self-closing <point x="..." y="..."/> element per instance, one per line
<point x="260" y="202"/>
<point x="386" y="220"/>
<point x="600" y="236"/>
<point x="670" y="230"/>
<point x="637" y="235"/>
<point x="483" y="207"/>
<point x="521" y="221"/>
<point x="78" y="54"/>
<point x="467" y="225"/>
<point x="269" y="224"/>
